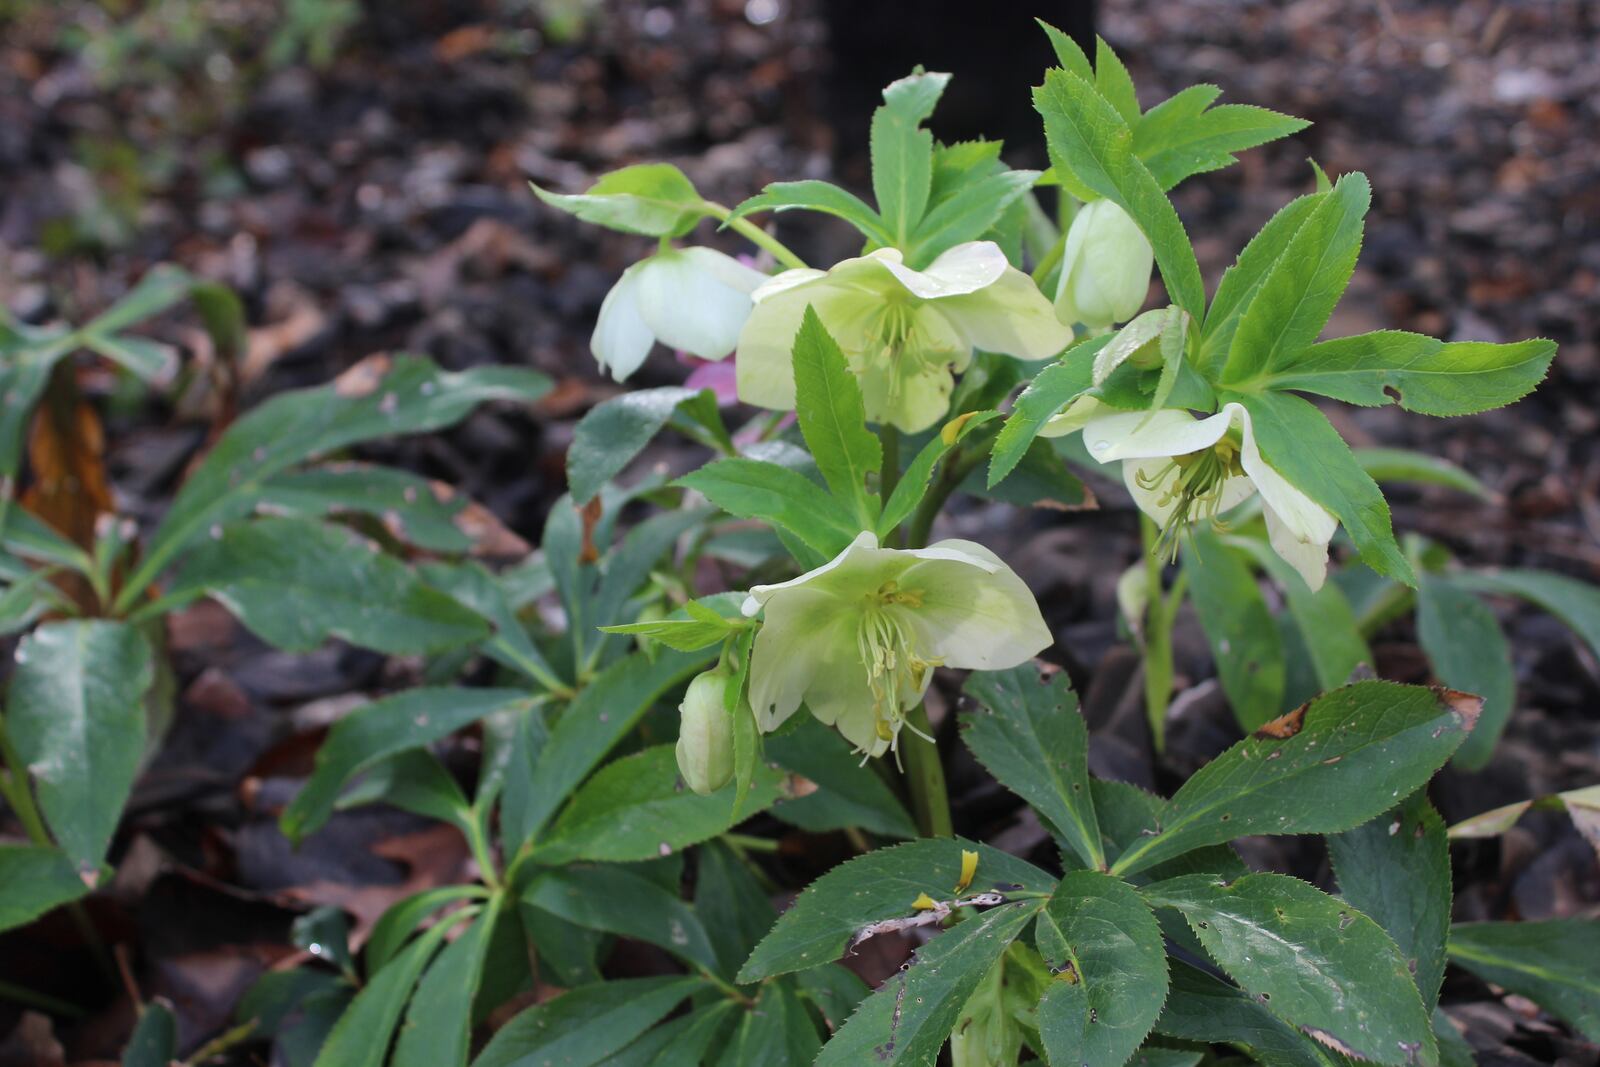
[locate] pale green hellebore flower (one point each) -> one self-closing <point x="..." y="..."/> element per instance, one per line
<point x="705" y="733"/>
<point x="1181" y="469"/>
<point x="1105" y="268"/>
<point x="696" y="299"/>
<point x="856" y="640"/>
<point x="904" y="332"/>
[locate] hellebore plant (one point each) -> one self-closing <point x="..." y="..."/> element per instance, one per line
<point x="936" y="376"/>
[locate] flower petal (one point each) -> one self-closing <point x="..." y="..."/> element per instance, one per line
<point x="1146" y="434"/>
<point x="1075" y="416"/>
<point x="975" y="612"/>
<point x="1310" y="558"/>
<point x="1105" y="267"/>
<point x="839" y="696"/>
<point x="765" y="359"/>
<point x="852" y="570"/>
<point x="1009" y="316"/>
<point x="1303" y="527"/>
<point x="804" y="635"/>
<point x="966" y="268"/>
<point x="621" y="339"/>
<point x="688" y="302"/>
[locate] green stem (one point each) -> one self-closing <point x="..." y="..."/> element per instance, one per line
<point x="43" y="1001"/>
<point x="1157" y="638"/>
<point x="1046" y="264"/>
<point x="952" y="473"/>
<point x="754" y="234"/>
<point x="930" y="801"/>
<point x="746" y="843"/>
<point x="889" y="473"/>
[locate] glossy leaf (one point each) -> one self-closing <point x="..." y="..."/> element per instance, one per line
<point x="613" y="432"/>
<point x="1104" y="947"/>
<point x="1029" y="735"/>
<point x="583" y="1026"/>
<point x="1201" y="1007"/>
<point x="1313" y="960"/>
<point x="882" y="884"/>
<point x="1328" y="766"/>
<point x="33" y="880"/>
<point x="75" y="713"/>
<point x="1396" y="869"/>
<point x="1468" y="651"/>
<point x="1551" y="963"/>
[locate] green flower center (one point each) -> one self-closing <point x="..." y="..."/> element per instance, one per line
<point x="1194" y="484"/>
<point x="896" y="673"/>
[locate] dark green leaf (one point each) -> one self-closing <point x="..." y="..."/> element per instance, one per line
<point x="1238" y="627"/>
<point x="1468" y="651"/>
<point x="361" y="1036"/>
<point x="401" y="919"/>
<point x="727" y="890"/>
<point x="620" y="901"/>
<point x="582" y="1027"/>
<point x="613" y="432"/>
<point x="776" y="1032"/>
<point x="1203" y="1008"/>
<point x="407" y="504"/>
<point x="848" y="794"/>
<point x="820" y="924"/>
<point x="413" y="781"/>
<point x="34" y="879"/>
<point x="154" y="1042"/>
<point x="1551" y="963"/>
<point x="76" y="717"/>
<point x="1028" y="733"/>
<point x="1573" y="602"/>
<point x="438" y="1027"/>
<point x="1314" y="961"/>
<point x="1104" y="947"/>
<point x="1396" y="869"/>
<point x="374" y="731"/>
<point x="1325" y="767"/>
<point x="1333" y="638"/>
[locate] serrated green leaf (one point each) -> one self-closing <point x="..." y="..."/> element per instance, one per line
<point x="1325" y="618"/>
<point x="613" y="432"/>
<point x="297" y="582"/>
<point x="752" y="489"/>
<point x="1104" y="946"/>
<point x="1421" y="374"/>
<point x="1314" y="961"/>
<point x="617" y="900"/>
<point x="848" y="794"/>
<point x="1299" y="292"/>
<point x="902" y="152"/>
<point x="1052" y="389"/>
<point x="583" y="1026"/>
<point x="880" y="885"/>
<point x="1396" y="869"/>
<point x="1302" y="445"/>
<point x="1088" y="136"/>
<point x="1201" y="1007"/>
<point x="1126" y="813"/>
<point x="373" y="399"/>
<point x="833" y="419"/>
<point x="1031" y="738"/>
<point x="1068" y="52"/>
<point x="75" y="715"/>
<point x="814" y="195"/>
<point x="636" y="808"/>
<point x="968" y="214"/>
<point x="1112" y="80"/>
<point x="649" y="199"/>
<point x="1551" y="963"/>
<point x="375" y="731"/>
<point x="438" y="1026"/>
<point x="1325" y="767"/>
<point x="909" y="1018"/>
<point x="1468" y="651"/>
<point x="1207" y="141"/>
<point x="34" y="879"/>
<point x="1240" y="630"/>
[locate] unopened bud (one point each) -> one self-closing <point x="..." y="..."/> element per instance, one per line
<point x="705" y="733"/>
<point x="1105" y="268"/>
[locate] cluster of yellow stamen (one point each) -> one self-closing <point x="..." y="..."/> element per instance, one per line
<point x="896" y="672"/>
<point x="1194" y="484"/>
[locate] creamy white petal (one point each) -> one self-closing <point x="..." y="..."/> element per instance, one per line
<point x="860" y="557"/>
<point x="975" y="612"/>
<point x="690" y="307"/>
<point x="1009" y="316"/>
<point x="765" y="362"/>
<point x="1075" y="416"/>
<point x="966" y="268"/>
<point x="1105" y="267"/>
<point x="1144" y="434"/>
<point x="1308" y="557"/>
<point x="726" y="269"/>
<point x="621" y="338"/>
<point x="804" y="634"/>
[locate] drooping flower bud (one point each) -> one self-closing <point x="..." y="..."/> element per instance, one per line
<point x="705" y="733"/>
<point x="1105" y="268"/>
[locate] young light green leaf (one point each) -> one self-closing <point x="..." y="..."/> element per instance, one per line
<point x="1051" y="390"/>
<point x="1176" y="145"/>
<point x="361" y="1036"/>
<point x="1028" y="733"/>
<point x="1421" y="374"/>
<point x="814" y="195"/>
<point x="620" y="901"/>
<point x="1088" y="137"/>
<point x="1104" y="947"/>
<point x="880" y="885"/>
<point x="297" y="582"/>
<point x="833" y="419"/>
<point x="1302" y="445"/>
<point x="1311" y="959"/>
<point x="1549" y="962"/>
<point x="1468" y="651"/>
<point x="909" y="1018"/>
<point x="1204" y="1008"/>
<point x="583" y="1026"/>
<point x="1396" y="869"/>
<point x="375" y="398"/>
<point x="649" y="199"/>
<point x="1068" y="52"/>
<point x="75" y="713"/>
<point x="1327" y="766"/>
<point x="34" y="879"/>
<point x="902" y="151"/>
<point x="1240" y="630"/>
<point x="438" y="1026"/>
<point x="636" y="808"/>
<point x="1114" y="82"/>
<point x="752" y="489"/>
<point x="1583" y="805"/>
<point x="1300" y="290"/>
<point x="375" y="731"/>
<point x="613" y="432"/>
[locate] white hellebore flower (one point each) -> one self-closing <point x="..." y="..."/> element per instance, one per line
<point x="1181" y="469"/>
<point x="857" y="639"/>
<point x="696" y="299"/>
<point x="904" y="332"/>
<point x="1105" y="268"/>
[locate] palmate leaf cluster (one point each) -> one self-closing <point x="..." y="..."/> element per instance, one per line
<point x="1144" y="938"/>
